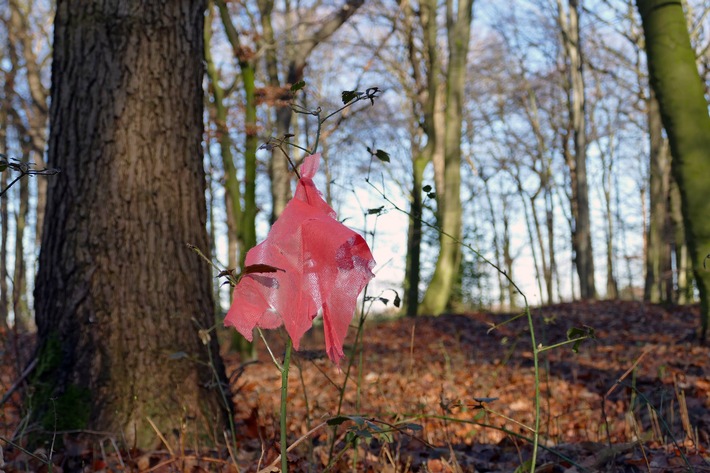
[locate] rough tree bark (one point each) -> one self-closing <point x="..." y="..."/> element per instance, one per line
<point x="684" y="110"/>
<point x="120" y="299"/>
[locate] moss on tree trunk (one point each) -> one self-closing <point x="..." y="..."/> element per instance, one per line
<point x="684" y="111"/>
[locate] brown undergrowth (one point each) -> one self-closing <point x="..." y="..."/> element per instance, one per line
<point x="446" y="394"/>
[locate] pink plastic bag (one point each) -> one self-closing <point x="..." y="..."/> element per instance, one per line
<point x="321" y="264"/>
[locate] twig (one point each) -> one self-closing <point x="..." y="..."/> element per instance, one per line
<point x="623" y="376"/>
<point x="160" y="435"/>
<point x="19" y="381"/>
<point x="25" y="451"/>
<point x="293" y="445"/>
<point x="24" y="168"/>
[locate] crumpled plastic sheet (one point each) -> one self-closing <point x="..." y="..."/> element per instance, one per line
<point x="321" y="264"/>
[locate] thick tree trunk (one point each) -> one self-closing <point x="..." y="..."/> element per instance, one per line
<point x="120" y="298"/>
<point x="684" y="110"/>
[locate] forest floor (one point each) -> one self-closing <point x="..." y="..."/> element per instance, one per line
<point x="446" y="394"/>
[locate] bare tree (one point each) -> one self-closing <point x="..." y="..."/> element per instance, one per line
<point x="576" y="158"/>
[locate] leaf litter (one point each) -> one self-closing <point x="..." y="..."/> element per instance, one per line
<point x="445" y="394"/>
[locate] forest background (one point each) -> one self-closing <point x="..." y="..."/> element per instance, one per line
<point x="516" y="148"/>
<point x="553" y="162"/>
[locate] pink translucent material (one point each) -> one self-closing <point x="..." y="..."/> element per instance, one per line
<point x="324" y="265"/>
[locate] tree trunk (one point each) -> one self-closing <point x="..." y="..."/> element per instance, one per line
<point x="33" y="124"/>
<point x="4" y="215"/>
<point x="550" y="225"/>
<point x="581" y="233"/>
<point x="296" y="61"/>
<point x="658" y="267"/>
<point x="425" y="98"/>
<point x="120" y="298"/>
<point x="438" y="294"/>
<point x="684" y="110"/>
<point x="20" y="308"/>
<point x="508" y="257"/>
<point x="414" y="238"/>
<point x="244" y="213"/>
<point x="232" y="191"/>
<point x="684" y="277"/>
<point x="496" y="245"/>
<point x="241" y="221"/>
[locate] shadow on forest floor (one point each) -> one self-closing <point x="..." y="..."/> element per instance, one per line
<point x="419" y="370"/>
<point x="429" y="371"/>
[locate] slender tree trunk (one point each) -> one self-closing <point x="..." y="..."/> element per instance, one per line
<point x="33" y="125"/>
<point x="581" y="233"/>
<point x="496" y="244"/>
<point x="241" y="218"/>
<point x="684" y="110"/>
<point x="429" y="99"/>
<point x="438" y="294"/>
<point x="607" y="161"/>
<point x="545" y="176"/>
<point x="525" y="199"/>
<point x="550" y="225"/>
<point x="414" y="238"/>
<point x="243" y="213"/>
<point x="296" y="61"/>
<point x="508" y="257"/>
<point x="4" y="215"/>
<point x="232" y="191"/>
<point x="684" y="269"/>
<point x="658" y="255"/>
<point x="612" y="288"/>
<point x="20" y="309"/>
<point x="544" y="257"/>
<point x="123" y="306"/>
